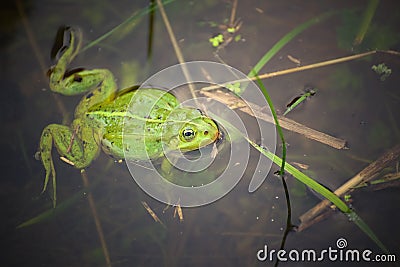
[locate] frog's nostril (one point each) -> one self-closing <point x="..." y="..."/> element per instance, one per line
<point x="220" y="136"/>
<point x="205" y="132"/>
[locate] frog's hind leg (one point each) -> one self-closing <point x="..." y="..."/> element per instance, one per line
<point x="70" y="147"/>
<point x="99" y="84"/>
<point x="72" y="43"/>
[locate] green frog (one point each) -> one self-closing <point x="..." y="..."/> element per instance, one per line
<point x="156" y="124"/>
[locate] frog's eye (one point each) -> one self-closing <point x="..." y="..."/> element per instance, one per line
<point x="188" y="134"/>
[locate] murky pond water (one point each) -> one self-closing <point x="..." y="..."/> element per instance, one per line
<point x="351" y="103"/>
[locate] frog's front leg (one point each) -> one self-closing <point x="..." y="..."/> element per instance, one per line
<point x="77" y="146"/>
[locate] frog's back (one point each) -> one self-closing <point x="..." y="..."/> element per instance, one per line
<point x="112" y="113"/>
<point x="149" y="107"/>
<point x="148" y="98"/>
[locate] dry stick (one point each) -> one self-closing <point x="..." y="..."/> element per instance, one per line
<point x="365" y="175"/>
<point x="316" y="219"/>
<point x="386" y="184"/>
<point x="233" y="13"/>
<point x="254" y="110"/>
<point x="96" y="219"/>
<point x="307" y="67"/>
<point x="290" y="124"/>
<point x="176" y="47"/>
<point x="386" y="181"/>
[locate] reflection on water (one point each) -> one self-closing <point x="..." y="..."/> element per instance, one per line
<point x="351" y="103"/>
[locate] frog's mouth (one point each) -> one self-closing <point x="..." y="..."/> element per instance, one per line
<point x="212" y="138"/>
<point x="217" y="133"/>
<point x="220" y="136"/>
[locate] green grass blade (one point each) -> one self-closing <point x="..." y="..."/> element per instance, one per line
<point x="132" y="19"/>
<point x="289" y="168"/>
<point x="300" y="99"/>
<point x="326" y="193"/>
<point x="51" y="213"/>
<point x="278" y="127"/>
<point x="365" y="228"/>
<point x="353" y="216"/>
<point x="367" y="18"/>
<point x="332" y="197"/>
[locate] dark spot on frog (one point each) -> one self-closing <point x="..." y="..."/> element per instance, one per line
<point x="72" y="72"/>
<point x="77" y="78"/>
<point x="50" y="71"/>
<point x="89" y="95"/>
<point x="113" y="157"/>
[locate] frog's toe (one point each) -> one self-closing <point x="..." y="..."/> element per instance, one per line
<point x="50" y="172"/>
<point x="71" y="40"/>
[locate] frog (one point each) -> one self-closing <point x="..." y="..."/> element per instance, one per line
<point x="105" y="119"/>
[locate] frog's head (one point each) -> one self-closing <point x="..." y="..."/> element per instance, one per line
<point x="187" y="129"/>
<point x="197" y="133"/>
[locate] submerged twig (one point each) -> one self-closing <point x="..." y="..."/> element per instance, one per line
<point x="178" y="211"/>
<point x="367" y="174"/>
<point x="151" y="30"/>
<point x="96" y="219"/>
<point x="152" y="213"/>
<point x="304" y="225"/>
